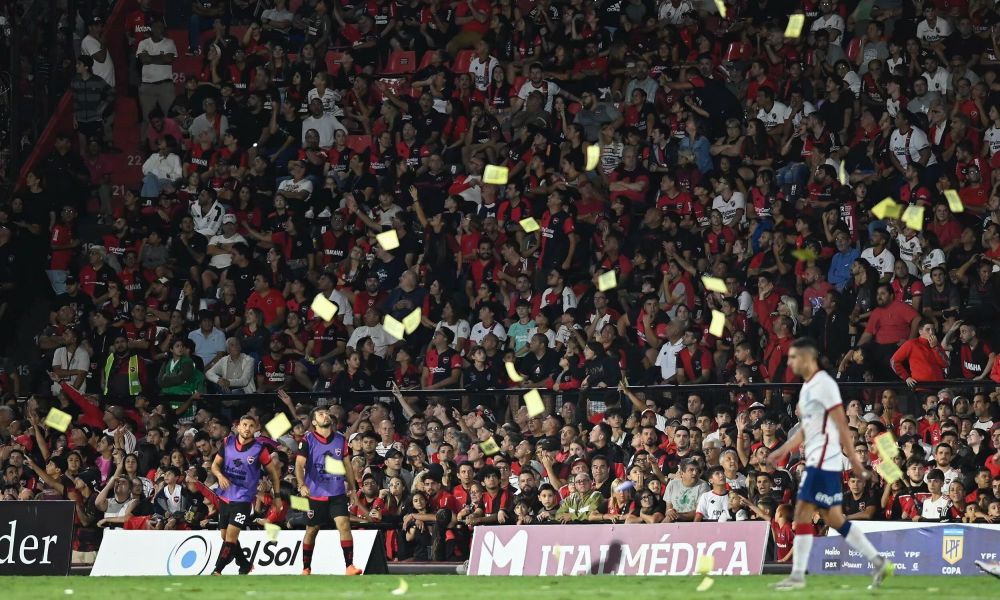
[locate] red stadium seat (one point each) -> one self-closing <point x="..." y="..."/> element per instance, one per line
<point x="426" y="60"/>
<point x="462" y="61"/>
<point x="333" y="62"/>
<point x="401" y="62"/>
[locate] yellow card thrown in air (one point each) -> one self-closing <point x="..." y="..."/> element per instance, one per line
<point x="58" y="420"/>
<point x="300" y="503"/>
<point x="886" y="446"/>
<point x="954" y="201"/>
<point x="887" y="209"/>
<point x="334" y="466"/>
<point x="889" y="471"/>
<point x="718" y="325"/>
<point x="278" y="426"/>
<point x="529" y="224"/>
<point x="593" y="157"/>
<point x="795" y="24"/>
<point x="393" y="327"/>
<point x="714" y="284"/>
<point x="495" y="175"/>
<point x="512" y="373"/>
<point x="805" y="254"/>
<point x="489" y="447"/>
<point x="842" y="174"/>
<point x="913" y="216"/>
<point x="705" y="585"/>
<point x="719" y="4"/>
<point x="323" y="308"/>
<point x="411" y="321"/>
<point x="272" y="531"/>
<point x="403" y="587"/>
<point x="705" y="563"/>
<point x="607" y="281"/>
<point x="388" y="240"/>
<point x="533" y="402"/>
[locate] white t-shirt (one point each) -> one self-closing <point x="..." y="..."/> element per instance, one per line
<point x="939" y="81"/>
<point x="674" y="15"/>
<point x="222" y="261"/>
<point x="548" y="89"/>
<point x="379" y="336"/>
<point x="343" y="306"/>
<point x="907" y="146"/>
<point x="479" y="331"/>
<point x="461" y="329"/>
<point x="992" y="137"/>
<point x="329" y="100"/>
<point x="935" y="509"/>
<point x="853" y="81"/>
<point x="302" y="185"/>
<point x="822" y="440"/>
<point x="173" y="498"/>
<point x="778" y="114"/>
<point x="157" y="73"/>
<point x="883" y="263"/>
<point x="325" y="126"/>
<point x="712" y="505"/>
<point x="667" y="358"/>
<point x="831" y="21"/>
<point x="482" y="71"/>
<point x="728" y="209"/>
<point x="105" y="70"/>
<point x="930" y="35"/>
<point x="78" y="360"/>
<point x="548" y="333"/>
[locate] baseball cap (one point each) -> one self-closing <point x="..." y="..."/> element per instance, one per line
<point x="755" y="405"/>
<point x="71" y="280"/>
<point x="393" y="453"/>
<point x="228" y="218"/>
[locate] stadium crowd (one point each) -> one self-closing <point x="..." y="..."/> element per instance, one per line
<point x="726" y="148"/>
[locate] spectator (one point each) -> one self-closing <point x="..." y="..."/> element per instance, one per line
<point x="93" y="103"/>
<point x="925" y="361"/>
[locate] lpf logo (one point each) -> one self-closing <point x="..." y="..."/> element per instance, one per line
<point x="495" y="553"/>
<point x="952" y="545"/>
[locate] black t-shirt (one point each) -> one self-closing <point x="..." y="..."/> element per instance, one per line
<point x="242" y="278"/>
<point x="180" y="253"/>
<point x="539" y="369"/>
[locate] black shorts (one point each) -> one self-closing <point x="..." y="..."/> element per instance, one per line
<point x="236" y="514"/>
<point x="321" y="512"/>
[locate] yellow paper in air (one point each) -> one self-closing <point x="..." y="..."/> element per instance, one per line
<point x="886" y="446"/>
<point x="495" y="175"/>
<point x="607" y="281"/>
<point x="593" y="157"/>
<point x="402" y="589"/>
<point x="393" y="327"/>
<point x="913" y="216"/>
<point x="529" y="224"/>
<point x="887" y="209"/>
<point x="705" y="585"/>
<point x="272" y="531"/>
<point x="300" y="503"/>
<point x="533" y="402"/>
<point x="718" y="325"/>
<point x="58" y="420"/>
<point x="334" y="466"/>
<point x="388" y="240"/>
<point x="954" y="201"/>
<point x="719" y="4"/>
<point x="842" y="174"/>
<point x="795" y="24"/>
<point x="411" y="321"/>
<point x="278" y="426"/>
<point x="489" y="447"/>
<point x="805" y="254"/>
<point x="714" y="284"/>
<point x="512" y="373"/>
<point x="323" y="308"/>
<point x="889" y="471"/>
<point x="705" y="563"/>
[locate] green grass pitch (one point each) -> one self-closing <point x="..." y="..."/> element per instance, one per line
<point x="442" y="587"/>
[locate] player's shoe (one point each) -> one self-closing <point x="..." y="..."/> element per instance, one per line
<point x="789" y="583"/>
<point x="886" y="569"/>
<point x="989" y="568"/>
<point x="307" y="571"/>
<point x="216" y="573"/>
<point x="352" y="570"/>
<point x="246" y="571"/>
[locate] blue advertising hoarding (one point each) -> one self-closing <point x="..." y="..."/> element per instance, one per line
<point x="930" y="550"/>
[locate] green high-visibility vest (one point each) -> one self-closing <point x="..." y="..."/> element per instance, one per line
<point x="134" y="385"/>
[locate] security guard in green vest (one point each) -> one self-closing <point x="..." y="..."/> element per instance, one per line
<point x="124" y="372"/>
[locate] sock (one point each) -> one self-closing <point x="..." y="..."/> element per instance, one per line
<point x="225" y="556"/>
<point x="348" y="547"/>
<point x="801" y="548"/>
<point x="241" y="559"/>
<point x="859" y="541"/>
<point x="307" y="556"/>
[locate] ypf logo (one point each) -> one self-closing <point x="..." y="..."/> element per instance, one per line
<point x="509" y="555"/>
<point x="190" y="557"/>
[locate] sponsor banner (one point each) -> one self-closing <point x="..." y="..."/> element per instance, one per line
<point x="36" y="537"/>
<point x="194" y="552"/>
<point x="937" y="550"/>
<point x="663" y="549"/>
